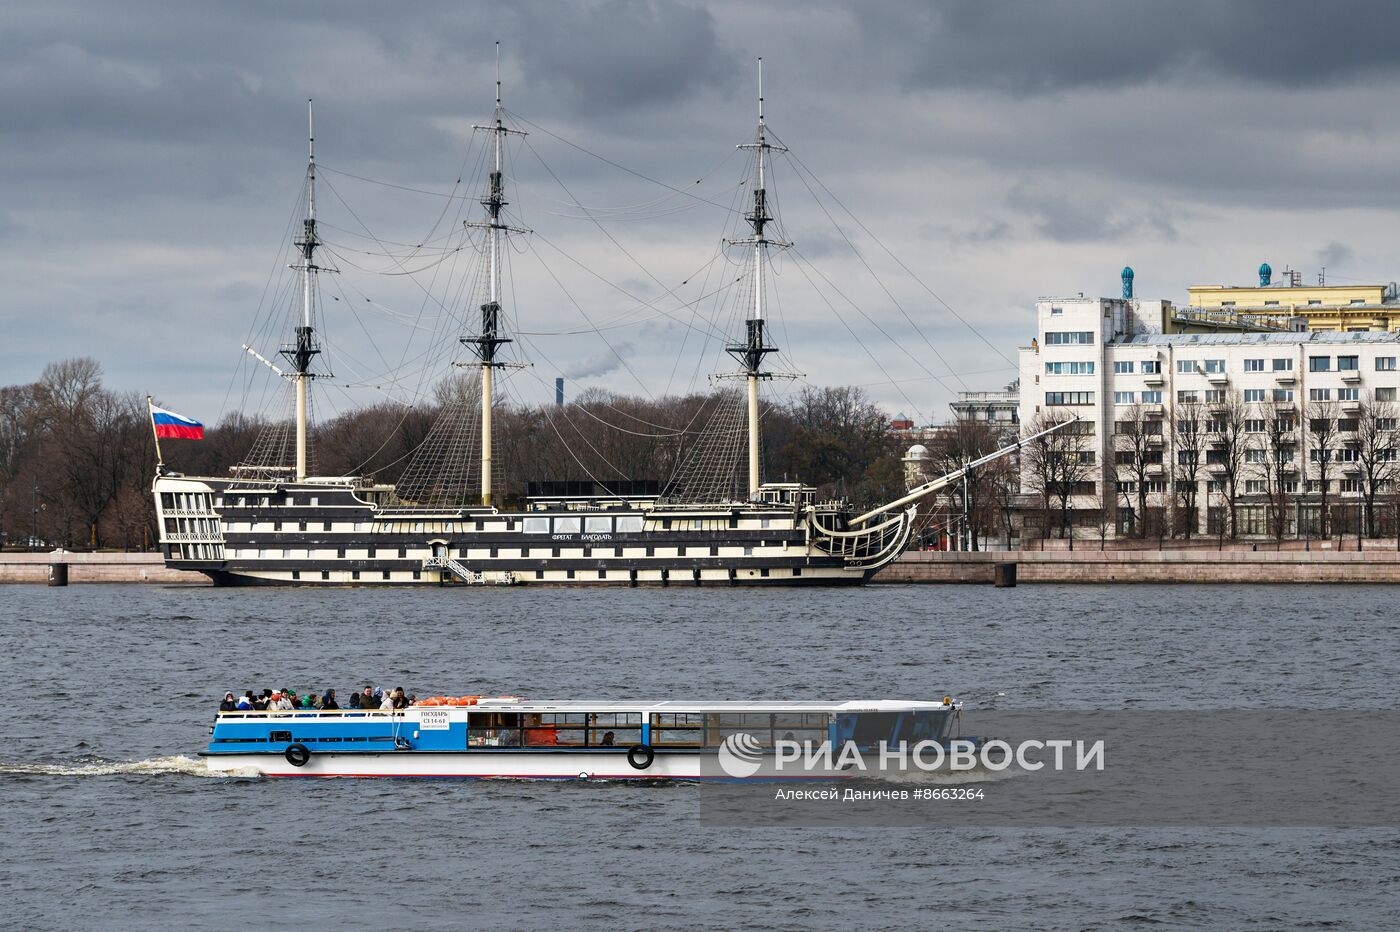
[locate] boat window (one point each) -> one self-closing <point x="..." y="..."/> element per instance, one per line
<point x="555" y="729"/>
<point x="720" y="725"/>
<point x="493" y="729"/>
<point x="870" y="728"/>
<point x="629" y="524"/>
<point x="597" y="525"/>
<point x="924" y="726"/>
<point x="535" y="526"/>
<point x="625" y="728"/>
<point x="802" y="727"/>
<point x="566" y="525"/>
<point x="677" y="729"/>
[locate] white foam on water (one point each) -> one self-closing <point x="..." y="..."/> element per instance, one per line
<point x="155" y="766"/>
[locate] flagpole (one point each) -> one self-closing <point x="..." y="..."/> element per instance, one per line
<point x="151" y="413"/>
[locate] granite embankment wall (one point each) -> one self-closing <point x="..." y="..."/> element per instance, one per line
<point x="94" y="568"/>
<point x="1058" y="566"/>
<point x="1149" y="566"/>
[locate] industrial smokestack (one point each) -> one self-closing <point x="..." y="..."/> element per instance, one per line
<point x="559" y="391"/>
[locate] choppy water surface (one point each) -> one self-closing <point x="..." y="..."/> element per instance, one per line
<point x="109" y="821"/>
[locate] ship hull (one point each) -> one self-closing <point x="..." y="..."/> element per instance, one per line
<point x="477" y="765"/>
<point x="327" y="534"/>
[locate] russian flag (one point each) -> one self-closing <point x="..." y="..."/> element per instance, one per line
<point x="169" y="424"/>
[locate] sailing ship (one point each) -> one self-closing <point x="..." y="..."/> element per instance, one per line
<point x="271" y="522"/>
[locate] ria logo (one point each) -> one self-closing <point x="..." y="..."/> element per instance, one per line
<point x="740" y="755"/>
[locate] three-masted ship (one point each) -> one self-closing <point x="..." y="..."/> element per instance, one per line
<point x="445" y="522"/>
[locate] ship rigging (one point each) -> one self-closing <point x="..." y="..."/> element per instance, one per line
<point x="273" y="521"/>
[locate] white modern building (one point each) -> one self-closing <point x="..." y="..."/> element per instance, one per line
<point x="1250" y="420"/>
<point x="1000" y="409"/>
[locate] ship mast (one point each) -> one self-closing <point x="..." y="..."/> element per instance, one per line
<point x="751" y="353"/>
<point x="490" y="340"/>
<point x="306" y="349"/>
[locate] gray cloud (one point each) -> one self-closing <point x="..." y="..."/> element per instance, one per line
<point x="150" y="155"/>
<point x="1043" y="46"/>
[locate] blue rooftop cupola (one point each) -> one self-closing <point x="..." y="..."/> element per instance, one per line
<point x="1127" y="281"/>
<point x="1266" y="274"/>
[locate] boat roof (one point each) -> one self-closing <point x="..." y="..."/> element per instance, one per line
<point x="680" y="705"/>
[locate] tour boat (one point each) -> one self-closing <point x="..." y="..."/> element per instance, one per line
<point x="510" y="737"/>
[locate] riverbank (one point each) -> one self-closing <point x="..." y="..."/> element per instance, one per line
<point x="1199" y="565"/>
<point x="95" y="568"/>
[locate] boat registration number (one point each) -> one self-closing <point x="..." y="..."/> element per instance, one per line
<point x="433" y="720"/>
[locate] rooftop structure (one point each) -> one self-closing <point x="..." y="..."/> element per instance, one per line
<point x="1352" y="307"/>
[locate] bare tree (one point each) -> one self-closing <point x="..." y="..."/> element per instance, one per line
<point x="1188" y="448"/>
<point x="1322" y="438"/>
<point x="1376" y="436"/>
<point x="1133" y="453"/>
<point x="1280" y="450"/>
<point x="956" y="445"/>
<point x="1056" y="466"/>
<point x="1229" y="442"/>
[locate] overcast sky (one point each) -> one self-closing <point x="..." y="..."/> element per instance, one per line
<point x="151" y="154"/>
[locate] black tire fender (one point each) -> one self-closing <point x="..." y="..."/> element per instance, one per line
<point x="298" y="755"/>
<point x="640" y="756"/>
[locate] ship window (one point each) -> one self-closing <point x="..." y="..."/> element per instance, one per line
<point x="535" y="526"/>
<point x="290" y="500"/>
<point x="555" y="729"/>
<point x="723" y="724"/>
<point x="326" y="574"/>
<point x="493" y="729"/>
<point x="315" y="500"/>
<point x="677" y="729"/>
<point x="279" y="736"/>
<point x="386" y="574"/>
<point x="597" y="525"/>
<point x="265" y="501"/>
<point x="403" y="552"/>
<point x="625" y="727"/>
<point x="566" y="525"/>
<point x="629" y="524"/>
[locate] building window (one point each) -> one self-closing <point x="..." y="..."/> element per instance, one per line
<point x="1125" y="367"/>
<point x="1348" y="363"/>
<point x="1254" y="365"/>
<point x="1184" y="397"/>
<point x="1215" y="396"/>
<point x="1068" y="399"/>
<point x="1214" y="365"/>
<point x="1185" y="365"/>
<point x="1125" y="398"/>
<point x="1151" y="398"/>
<point x="1349" y="485"/>
<point x="1069" y="368"/>
<point x="1387" y="423"/>
<point x="1319" y="394"/>
<point x="1283" y="394"/>
<point x="1319" y="363"/>
<point x="1348" y="394"/>
<point x="1385" y="394"/>
<point x="1346" y="425"/>
<point x="1254" y="425"/>
<point x="1283" y="365"/>
<point x="1254" y="486"/>
<point x="1385" y="363"/>
<point x="1069" y="338"/>
<point x="1255" y="456"/>
<point x="1056" y="311"/>
<point x="1253" y="395"/>
<point x="1151" y="367"/>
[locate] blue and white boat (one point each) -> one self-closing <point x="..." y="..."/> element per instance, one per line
<point x="514" y="738"/>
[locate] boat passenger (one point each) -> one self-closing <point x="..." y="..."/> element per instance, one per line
<point x="355" y="700"/>
<point x="281" y="702"/>
<point x="368" y="700"/>
<point x="229" y="704"/>
<point x="312" y="701"/>
<point x="291" y="696"/>
<point x="398" y="700"/>
<point x="608" y="740"/>
<point x="387" y="702"/>
<point x="328" y="700"/>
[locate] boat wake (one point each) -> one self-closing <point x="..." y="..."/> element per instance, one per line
<point x="156" y="766"/>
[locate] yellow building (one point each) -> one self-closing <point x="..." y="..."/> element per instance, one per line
<point x="1326" y="307"/>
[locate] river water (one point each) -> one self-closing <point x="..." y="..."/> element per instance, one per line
<point x="109" y="821"/>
